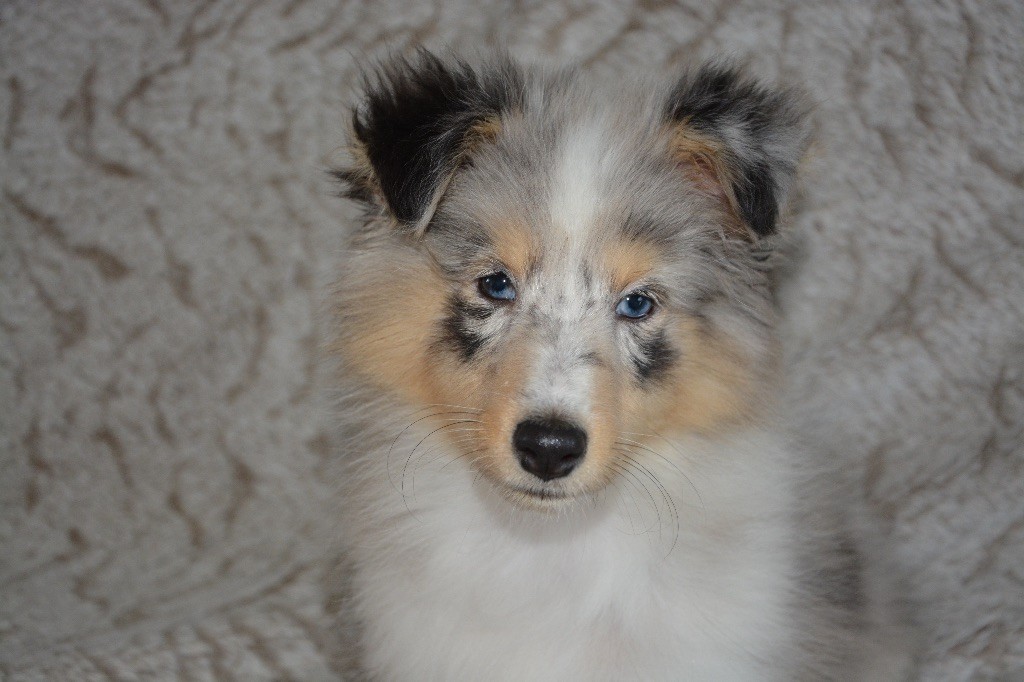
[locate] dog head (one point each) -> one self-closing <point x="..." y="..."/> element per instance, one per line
<point x="565" y="270"/>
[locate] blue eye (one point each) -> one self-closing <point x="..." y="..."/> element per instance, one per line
<point x="497" y="286"/>
<point x="634" y="306"/>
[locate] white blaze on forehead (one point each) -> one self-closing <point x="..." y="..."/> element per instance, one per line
<point x="579" y="178"/>
<point x="561" y="380"/>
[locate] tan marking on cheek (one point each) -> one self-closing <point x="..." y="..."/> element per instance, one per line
<point x="710" y="388"/>
<point x="387" y="324"/>
<point x="500" y="387"/>
<point x="627" y="261"/>
<point x="388" y="332"/>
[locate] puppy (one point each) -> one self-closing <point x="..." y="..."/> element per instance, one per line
<point x="555" y="332"/>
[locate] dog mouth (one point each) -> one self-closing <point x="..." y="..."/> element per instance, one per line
<point x="539" y="498"/>
<point x="541" y="494"/>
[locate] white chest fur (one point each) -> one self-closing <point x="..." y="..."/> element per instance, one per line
<point x="456" y="584"/>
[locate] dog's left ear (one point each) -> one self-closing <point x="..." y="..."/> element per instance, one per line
<point x="739" y="141"/>
<point x="419" y="122"/>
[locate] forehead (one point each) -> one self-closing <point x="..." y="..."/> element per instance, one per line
<point x="568" y="182"/>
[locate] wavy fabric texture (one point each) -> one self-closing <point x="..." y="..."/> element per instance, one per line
<point x="167" y="233"/>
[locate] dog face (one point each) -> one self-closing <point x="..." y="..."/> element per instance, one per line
<point x="558" y="274"/>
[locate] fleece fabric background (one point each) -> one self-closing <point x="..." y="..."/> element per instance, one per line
<point x="168" y="233"/>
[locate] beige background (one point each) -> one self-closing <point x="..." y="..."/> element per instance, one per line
<point x="166" y="231"/>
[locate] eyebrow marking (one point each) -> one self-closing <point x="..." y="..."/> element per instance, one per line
<point x="628" y="260"/>
<point x="515" y="245"/>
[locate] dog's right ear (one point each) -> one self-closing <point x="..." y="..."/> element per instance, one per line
<point x="419" y="122"/>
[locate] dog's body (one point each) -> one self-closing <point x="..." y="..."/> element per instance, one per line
<point x="556" y="332"/>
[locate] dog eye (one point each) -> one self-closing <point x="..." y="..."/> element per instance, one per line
<point x="634" y="306"/>
<point x="497" y="286"/>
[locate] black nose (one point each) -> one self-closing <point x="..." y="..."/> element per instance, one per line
<point x="549" y="448"/>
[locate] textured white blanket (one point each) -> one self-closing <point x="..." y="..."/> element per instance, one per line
<point x="166" y="231"/>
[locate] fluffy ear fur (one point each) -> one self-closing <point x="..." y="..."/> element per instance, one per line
<point x="742" y="141"/>
<point x="418" y="123"/>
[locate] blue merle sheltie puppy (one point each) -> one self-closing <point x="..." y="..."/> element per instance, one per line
<point x="555" y="330"/>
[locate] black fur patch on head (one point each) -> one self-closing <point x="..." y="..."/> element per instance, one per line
<point x="458" y="332"/>
<point x="655" y="360"/>
<point x="412" y="126"/>
<point x="764" y="134"/>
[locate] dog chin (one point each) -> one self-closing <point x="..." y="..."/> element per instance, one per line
<point x="543" y="498"/>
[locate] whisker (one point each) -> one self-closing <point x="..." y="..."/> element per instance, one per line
<point x="387" y="461"/>
<point x="631" y="442"/>
<point x="454" y="422"/>
<point x="442" y="447"/>
<point x="682" y="473"/>
<point x="650" y="496"/>
<point x="400" y="488"/>
<point x="458" y="455"/>
<point x="666" y="496"/>
<point x="461" y="455"/>
<point x="636" y="525"/>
